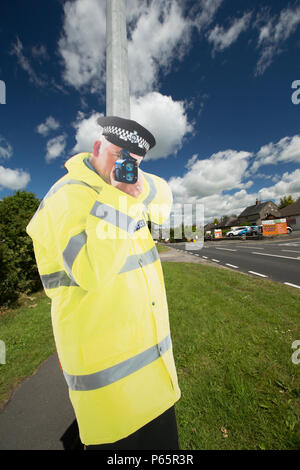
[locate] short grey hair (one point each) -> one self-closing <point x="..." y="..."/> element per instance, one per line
<point x="104" y="143"/>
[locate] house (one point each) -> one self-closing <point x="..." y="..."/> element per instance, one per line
<point x="209" y="227"/>
<point x="231" y="222"/>
<point x="258" y="212"/>
<point x="292" y="215"/>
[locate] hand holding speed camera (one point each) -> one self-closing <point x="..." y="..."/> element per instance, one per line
<point x="125" y="175"/>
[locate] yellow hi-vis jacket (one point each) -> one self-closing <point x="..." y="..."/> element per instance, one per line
<point x="100" y="267"/>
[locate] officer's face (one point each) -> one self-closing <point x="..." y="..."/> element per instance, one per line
<point x="113" y="154"/>
<point x="110" y="155"/>
<point x="104" y="158"/>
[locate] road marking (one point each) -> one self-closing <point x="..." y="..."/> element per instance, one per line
<point x="216" y="260"/>
<point x="277" y="256"/>
<point x="288" y="244"/>
<point x="250" y="246"/>
<point x="227" y="249"/>
<point x="291" y="251"/>
<point x="231" y="265"/>
<point x="292" y="285"/>
<point x="204" y="257"/>
<point x="258" y="274"/>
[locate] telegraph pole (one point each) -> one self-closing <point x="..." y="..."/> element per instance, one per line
<point x="117" y="82"/>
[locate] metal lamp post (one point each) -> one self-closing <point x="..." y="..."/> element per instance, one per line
<point x="117" y="83"/>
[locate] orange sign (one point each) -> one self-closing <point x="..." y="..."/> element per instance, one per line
<point x="274" y="228"/>
<point x="218" y="233"/>
<point x="281" y="228"/>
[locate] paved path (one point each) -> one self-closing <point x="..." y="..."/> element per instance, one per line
<point x="179" y="255"/>
<point x="39" y="415"/>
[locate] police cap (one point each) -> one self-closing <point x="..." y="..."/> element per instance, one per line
<point x="127" y="134"/>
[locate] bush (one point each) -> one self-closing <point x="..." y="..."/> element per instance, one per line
<point x="19" y="273"/>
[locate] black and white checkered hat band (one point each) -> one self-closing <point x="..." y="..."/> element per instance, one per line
<point x="132" y="137"/>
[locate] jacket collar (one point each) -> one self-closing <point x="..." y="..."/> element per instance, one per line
<point x="77" y="169"/>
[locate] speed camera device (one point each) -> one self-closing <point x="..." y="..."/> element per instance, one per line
<point x="126" y="168"/>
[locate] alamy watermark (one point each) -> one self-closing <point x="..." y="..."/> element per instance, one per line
<point x="186" y="221"/>
<point x="296" y="95"/>
<point x="296" y="354"/>
<point x="2" y="352"/>
<point x="2" y="92"/>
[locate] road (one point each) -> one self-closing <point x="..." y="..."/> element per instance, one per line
<point x="278" y="260"/>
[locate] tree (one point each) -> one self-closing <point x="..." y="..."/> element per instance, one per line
<point x="216" y="221"/>
<point x="285" y="201"/>
<point x="18" y="272"/>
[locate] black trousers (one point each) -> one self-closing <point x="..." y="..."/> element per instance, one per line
<point x="159" y="434"/>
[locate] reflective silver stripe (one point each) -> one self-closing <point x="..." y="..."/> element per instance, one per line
<point x="56" y="187"/>
<point x="136" y="261"/>
<point x="54" y="280"/>
<point x="113" y="216"/>
<point x="119" y="371"/>
<point x="152" y="192"/>
<point x="71" y="251"/>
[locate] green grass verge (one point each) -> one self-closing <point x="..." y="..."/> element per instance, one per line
<point x="27" y="333"/>
<point x="232" y="337"/>
<point x="162" y="248"/>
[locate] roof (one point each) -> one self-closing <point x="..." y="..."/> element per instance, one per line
<point x="232" y="221"/>
<point x="291" y="209"/>
<point x="251" y="210"/>
<point x="209" y="226"/>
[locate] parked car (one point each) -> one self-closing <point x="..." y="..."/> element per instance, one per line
<point x="234" y="232"/>
<point x="243" y="231"/>
<point x="255" y="230"/>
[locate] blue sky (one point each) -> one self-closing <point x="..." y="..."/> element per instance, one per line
<point x="211" y="79"/>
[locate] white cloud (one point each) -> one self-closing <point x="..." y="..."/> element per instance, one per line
<point x="288" y="184"/>
<point x="49" y="124"/>
<point x="285" y="150"/>
<point x="158" y="31"/>
<point x="165" y="118"/>
<point x="191" y="161"/>
<point x="221" y="38"/>
<point x="218" y="205"/>
<point x="203" y="13"/>
<point x="13" y="179"/>
<point x="273" y="32"/>
<point x="6" y="149"/>
<point x="83" y="43"/>
<point x="17" y="50"/>
<point x="161" y="34"/>
<point x="209" y="181"/>
<point x="223" y="171"/>
<point x="39" y="52"/>
<point x="87" y="132"/>
<point x="55" y="147"/>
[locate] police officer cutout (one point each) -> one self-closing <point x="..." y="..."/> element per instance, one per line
<point x="99" y="265"/>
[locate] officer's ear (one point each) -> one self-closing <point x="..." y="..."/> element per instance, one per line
<point x="96" y="148"/>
